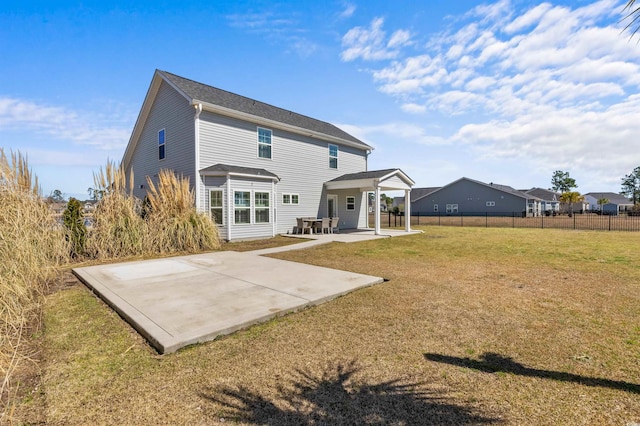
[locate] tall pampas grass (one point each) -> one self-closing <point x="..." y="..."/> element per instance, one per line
<point x="173" y="223"/>
<point x="118" y="230"/>
<point x="32" y="247"/>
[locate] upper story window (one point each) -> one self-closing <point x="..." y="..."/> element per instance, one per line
<point x="161" y="145"/>
<point x="333" y="156"/>
<point x="264" y="143"/>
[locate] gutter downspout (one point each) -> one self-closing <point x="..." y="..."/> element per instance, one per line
<point x="198" y="182"/>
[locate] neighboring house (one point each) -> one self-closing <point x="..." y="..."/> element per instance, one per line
<point x="550" y="199"/>
<point x="254" y="167"/>
<point x="415" y="194"/>
<point x="617" y="203"/>
<point x="468" y="196"/>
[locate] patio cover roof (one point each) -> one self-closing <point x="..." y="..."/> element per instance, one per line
<point x="389" y="179"/>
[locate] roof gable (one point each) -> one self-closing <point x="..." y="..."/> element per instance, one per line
<point x="231" y="104"/>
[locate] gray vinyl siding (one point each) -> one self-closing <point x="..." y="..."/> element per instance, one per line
<point x="470" y="198"/>
<point x="352" y="218"/>
<point x="301" y="163"/>
<point x="171" y="112"/>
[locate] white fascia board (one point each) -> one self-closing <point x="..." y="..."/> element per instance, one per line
<point x="363" y="184"/>
<point x="399" y="172"/>
<point x="277" y="124"/>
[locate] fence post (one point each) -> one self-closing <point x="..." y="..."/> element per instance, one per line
<point x="438" y="218"/>
<point x="513" y="220"/>
<point x="461" y="221"/>
<point x="609" y="222"/>
<point x="542" y="220"/>
<point x="486" y="219"/>
<point x="574" y="221"/>
<point x="389" y="216"/>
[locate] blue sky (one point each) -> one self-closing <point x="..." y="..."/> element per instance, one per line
<point x="503" y="92"/>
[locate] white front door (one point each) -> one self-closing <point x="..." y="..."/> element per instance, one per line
<point x="332" y="205"/>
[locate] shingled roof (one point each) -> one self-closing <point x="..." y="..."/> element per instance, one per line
<point x="214" y="96"/>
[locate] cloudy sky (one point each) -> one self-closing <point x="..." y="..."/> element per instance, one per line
<point x="503" y="92"/>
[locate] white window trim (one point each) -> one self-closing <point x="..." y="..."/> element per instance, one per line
<point x="290" y="203"/>
<point x="452" y="208"/>
<point x="267" y="208"/>
<point x="435" y="208"/>
<point x="347" y="203"/>
<point x="490" y="204"/>
<point x="331" y="156"/>
<point x="221" y="207"/>
<point x="164" y="144"/>
<point x="242" y="208"/>
<point x="260" y="143"/>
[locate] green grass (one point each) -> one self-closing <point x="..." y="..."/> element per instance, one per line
<point x="475" y="325"/>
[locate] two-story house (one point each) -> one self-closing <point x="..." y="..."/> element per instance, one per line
<point x="253" y="167"/>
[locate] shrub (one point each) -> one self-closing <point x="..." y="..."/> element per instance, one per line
<point x="73" y="220"/>
<point x="32" y="246"/>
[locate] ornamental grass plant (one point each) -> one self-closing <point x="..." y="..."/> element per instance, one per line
<point x="118" y="230"/>
<point x="173" y="223"/>
<point x="32" y="247"/>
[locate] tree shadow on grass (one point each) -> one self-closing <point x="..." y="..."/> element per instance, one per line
<point x="493" y="363"/>
<point x="336" y="398"/>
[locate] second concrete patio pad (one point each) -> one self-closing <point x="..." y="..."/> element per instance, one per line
<point x="178" y="301"/>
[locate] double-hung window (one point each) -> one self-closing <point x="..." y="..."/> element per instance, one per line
<point x="333" y="156"/>
<point x="215" y="205"/>
<point x="452" y="208"/>
<point x="242" y="207"/>
<point x="161" y="145"/>
<point x="351" y="203"/>
<point x="264" y="143"/>
<point x="261" y="205"/>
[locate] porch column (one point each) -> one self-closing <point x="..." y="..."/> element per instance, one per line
<point x="407" y="210"/>
<point x="377" y="214"/>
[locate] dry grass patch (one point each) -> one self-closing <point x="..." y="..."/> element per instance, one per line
<point x="475" y="326"/>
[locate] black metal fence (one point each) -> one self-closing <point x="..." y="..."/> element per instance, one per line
<point x="582" y="221"/>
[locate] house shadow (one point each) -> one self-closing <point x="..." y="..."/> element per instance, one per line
<point x="493" y="363"/>
<point x="335" y="397"/>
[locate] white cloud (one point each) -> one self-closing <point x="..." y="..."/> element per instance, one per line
<point x="369" y="43"/>
<point x="552" y="86"/>
<point x="349" y="10"/>
<point x="63" y="124"/>
<point x="400" y="131"/>
<point x="414" y="108"/>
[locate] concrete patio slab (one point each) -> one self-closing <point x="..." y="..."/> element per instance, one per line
<point x="175" y="302"/>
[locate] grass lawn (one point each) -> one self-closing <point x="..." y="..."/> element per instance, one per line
<point x="475" y="325"/>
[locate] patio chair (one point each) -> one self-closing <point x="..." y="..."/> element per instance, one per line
<point x="303" y="225"/>
<point x="326" y="225"/>
<point x="335" y="222"/>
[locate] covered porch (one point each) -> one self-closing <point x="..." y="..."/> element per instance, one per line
<point x="376" y="181"/>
